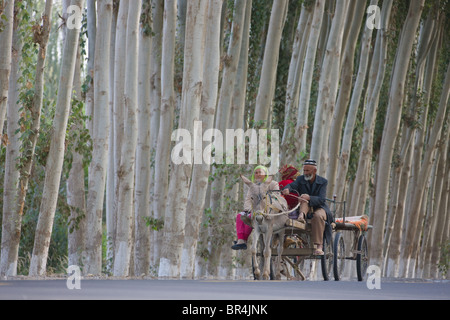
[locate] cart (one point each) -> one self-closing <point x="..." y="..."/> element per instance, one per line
<point x="298" y="247"/>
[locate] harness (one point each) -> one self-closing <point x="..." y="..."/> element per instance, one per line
<point x="269" y="206"/>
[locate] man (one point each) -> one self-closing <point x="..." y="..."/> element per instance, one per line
<point x="312" y="189"/>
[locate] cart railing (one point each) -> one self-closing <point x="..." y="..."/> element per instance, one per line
<point x="335" y="205"/>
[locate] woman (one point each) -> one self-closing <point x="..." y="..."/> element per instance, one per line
<point x="243" y="220"/>
<point x="288" y="175"/>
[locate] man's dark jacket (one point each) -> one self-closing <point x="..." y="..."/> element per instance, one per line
<point x="317" y="192"/>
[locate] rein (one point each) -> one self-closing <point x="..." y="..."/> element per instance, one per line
<point x="270" y="206"/>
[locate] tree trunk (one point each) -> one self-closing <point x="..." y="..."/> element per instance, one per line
<point x="222" y="123"/>
<point x="266" y="88"/>
<point x="162" y="158"/>
<point x="110" y="176"/>
<point x="100" y="140"/>
<point x="92" y="32"/>
<point x="200" y="175"/>
<point x="11" y="221"/>
<point x="328" y="85"/>
<point x="155" y="94"/>
<point x="391" y="128"/>
<point x="425" y="70"/>
<point x="238" y="122"/>
<point x="413" y="229"/>
<point x="378" y="70"/>
<point x="301" y="128"/>
<point x="5" y="57"/>
<point x="293" y="85"/>
<point x="142" y="191"/>
<point x="346" y="80"/>
<point x="395" y="241"/>
<point x="344" y="156"/>
<point x="118" y="123"/>
<point x="29" y="148"/>
<point x="56" y="154"/>
<point x="175" y="216"/>
<point x="440" y="231"/>
<point x="126" y="171"/>
<point x="434" y="198"/>
<point x="76" y="198"/>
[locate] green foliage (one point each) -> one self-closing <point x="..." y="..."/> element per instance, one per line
<point x="154" y="223"/>
<point x="78" y="138"/>
<point x="3" y="17"/>
<point x="146" y="18"/>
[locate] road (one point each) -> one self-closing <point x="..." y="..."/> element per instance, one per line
<point x="222" y="290"/>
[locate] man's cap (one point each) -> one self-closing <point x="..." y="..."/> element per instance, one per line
<point x="310" y="162"/>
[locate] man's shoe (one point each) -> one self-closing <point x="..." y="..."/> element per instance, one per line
<point x="318" y="252"/>
<point x="246" y="219"/>
<point x="301" y="218"/>
<point x="241" y="246"/>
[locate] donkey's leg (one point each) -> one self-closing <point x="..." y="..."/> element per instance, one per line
<point x="280" y="247"/>
<point x="256" y="271"/>
<point x="267" y="252"/>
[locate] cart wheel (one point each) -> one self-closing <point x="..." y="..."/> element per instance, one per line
<point x="327" y="259"/>
<point x="339" y="256"/>
<point x="362" y="258"/>
<point x="260" y="259"/>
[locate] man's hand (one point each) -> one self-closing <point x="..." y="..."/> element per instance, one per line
<point x="305" y="197"/>
<point x="285" y="191"/>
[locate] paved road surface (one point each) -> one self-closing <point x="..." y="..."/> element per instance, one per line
<point x="222" y="290"/>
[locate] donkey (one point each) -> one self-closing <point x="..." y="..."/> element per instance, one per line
<point x="268" y="221"/>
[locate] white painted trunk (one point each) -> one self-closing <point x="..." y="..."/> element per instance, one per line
<point x="118" y="123"/>
<point x="162" y="158"/>
<point x="236" y="121"/>
<point x="391" y="128"/>
<point x="413" y="229"/>
<point x="174" y="221"/>
<point x="100" y="139"/>
<point x="124" y="237"/>
<point x="378" y="69"/>
<point x="266" y="88"/>
<point x="142" y="191"/>
<point x="293" y="85"/>
<point x="110" y="177"/>
<point x="198" y="187"/>
<point x="222" y="121"/>
<point x="5" y="57"/>
<point x="328" y="84"/>
<point x="440" y="231"/>
<point x="155" y="94"/>
<point x="306" y="82"/>
<point x="346" y="80"/>
<point x="11" y="222"/>
<point x="76" y="197"/>
<point x="56" y="154"/>
<point x="36" y="111"/>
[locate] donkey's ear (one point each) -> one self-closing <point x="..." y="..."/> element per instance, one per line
<point x="246" y="180"/>
<point x="269" y="180"/>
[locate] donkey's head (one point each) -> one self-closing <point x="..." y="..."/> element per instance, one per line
<point x="258" y="191"/>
